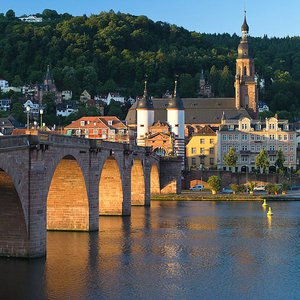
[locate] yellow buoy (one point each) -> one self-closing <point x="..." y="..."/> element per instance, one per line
<point x="270" y="212"/>
<point x="265" y="203"/>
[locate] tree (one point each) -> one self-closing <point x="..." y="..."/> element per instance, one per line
<point x="280" y="160"/>
<point x="17" y="111"/>
<point x="261" y="161"/>
<point x="230" y="158"/>
<point x="10" y="14"/>
<point x="251" y="185"/>
<point x="214" y="184"/>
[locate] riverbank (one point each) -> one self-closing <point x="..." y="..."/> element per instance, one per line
<point x="205" y="196"/>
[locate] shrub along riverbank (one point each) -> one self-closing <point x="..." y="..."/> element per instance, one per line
<point x="200" y="196"/>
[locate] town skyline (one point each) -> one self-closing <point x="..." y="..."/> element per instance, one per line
<point x="280" y="21"/>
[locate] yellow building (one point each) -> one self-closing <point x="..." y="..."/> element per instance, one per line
<point x="201" y="150"/>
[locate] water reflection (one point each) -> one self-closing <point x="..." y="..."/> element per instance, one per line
<point x="189" y="250"/>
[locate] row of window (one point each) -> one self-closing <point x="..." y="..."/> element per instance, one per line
<point x="253" y="137"/>
<point x="271" y="126"/>
<point x="98" y="131"/>
<point x="211" y="161"/>
<point x="202" y="150"/>
<point x="257" y="148"/>
<point x="272" y="159"/>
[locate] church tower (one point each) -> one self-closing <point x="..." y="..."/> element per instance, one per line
<point x="246" y="94"/>
<point x="176" y="120"/>
<point x="145" y="117"/>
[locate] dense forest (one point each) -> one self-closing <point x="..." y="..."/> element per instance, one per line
<point x="113" y="52"/>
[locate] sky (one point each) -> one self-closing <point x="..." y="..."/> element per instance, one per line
<point x="271" y="17"/>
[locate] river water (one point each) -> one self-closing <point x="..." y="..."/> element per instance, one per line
<point x="173" y="250"/>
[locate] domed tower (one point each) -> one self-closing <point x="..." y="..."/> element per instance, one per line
<point x="176" y="120"/>
<point x="145" y="117"/>
<point x="246" y="94"/>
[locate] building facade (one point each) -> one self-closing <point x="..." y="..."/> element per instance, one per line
<point x="248" y="137"/>
<point x="201" y="150"/>
<point x="105" y="128"/>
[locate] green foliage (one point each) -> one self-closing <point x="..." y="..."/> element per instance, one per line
<point x="214" y="183"/>
<point x="17" y="111"/>
<point x="111" y="50"/>
<point x="285" y="186"/>
<point x="230" y="158"/>
<point x="251" y="185"/>
<point x="261" y="160"/>
<point x="280" y="160"/>
<point x="234" y="187"/>
<point x="242" y="188"/>
<point x="272" y="188"/>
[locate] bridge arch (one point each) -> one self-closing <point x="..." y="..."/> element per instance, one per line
<point x="138" y="191"/>
<point x="111" y="195"/>
<point x="67" y="200"/>
<point x="13" y="228"/>
<point x="154" y="180"/>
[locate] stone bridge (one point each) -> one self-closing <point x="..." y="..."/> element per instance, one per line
<point x="54" y="182"/>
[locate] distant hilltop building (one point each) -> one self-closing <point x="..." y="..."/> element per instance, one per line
<point x="31" y="19"/>
<point x="208" y="111"/>
<point x="205" y="89"/>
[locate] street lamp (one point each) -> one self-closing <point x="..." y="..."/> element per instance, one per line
<point x="28" y="111"/>
<point x="41" y="116"/>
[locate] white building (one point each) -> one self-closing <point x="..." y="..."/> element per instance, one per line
<point x="262" y="107"/>
<point x="114" y="96"/>
<point x="5" y="104"/>
<point x="12" y="88"/>
<point x="64" y="110"/>
<point x="248" y="137"/>
<point x="66" y="95"/>
<point x="31" y="19"/>
<point x="3" y="84"/>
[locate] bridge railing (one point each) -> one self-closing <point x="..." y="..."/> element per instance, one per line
<point x="14" y="141"/>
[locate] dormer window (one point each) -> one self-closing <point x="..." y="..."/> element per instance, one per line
<point x="110" y="122"/>
<point x="82" y="123"/>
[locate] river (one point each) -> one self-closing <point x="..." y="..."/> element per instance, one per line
<point x="172" y="250"/>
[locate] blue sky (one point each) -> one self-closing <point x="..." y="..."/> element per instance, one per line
<point x="271" y="17"/>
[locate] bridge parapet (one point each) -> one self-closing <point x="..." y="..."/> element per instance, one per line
<point x="8" y="142"/>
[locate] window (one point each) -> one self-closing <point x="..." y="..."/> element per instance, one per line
<point x="202" y="150"/>
<point x="286" y="148"/>
<point x="285" y="137"/>
<point x="110" y="122"/>
<point x="236" y="137"/>
<point x="244" y="148"/>
<point x="244" y="126"/>
<point x="272" y="137"/>
<point x="176" y="125"/>
<point x="291" y="137"/>
<point x="224" y="148"/>
<point x="202" y="141"/>
<point x="252" y="148"/>
<point x="82" y="123"/>
<point x="258" y="148"/>
<point x="244" y="158"/>
<point x="142" y="125"/>
<point x="211" y="141"/>
<point x="224" y="137"/>
<point x="230" y="137"/>
<point x="86" y="131"/>
<point x="271" y="126"/>
<point x="244" y="137"/>
<point x="95" y="131"/>
<point x="292" y="148"/>
<point x="193" y="150"/>
<point x="211" y="150"/>
<point x="211" y="161"/>
<point x="279" y="137"/>
<point x="193" y="161"/>
<point x="272" y="148"/>
<point x="252" y="137"/>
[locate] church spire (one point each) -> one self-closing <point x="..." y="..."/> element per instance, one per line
<point x="245" y="26"/>
<point x="146" y="101"/>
